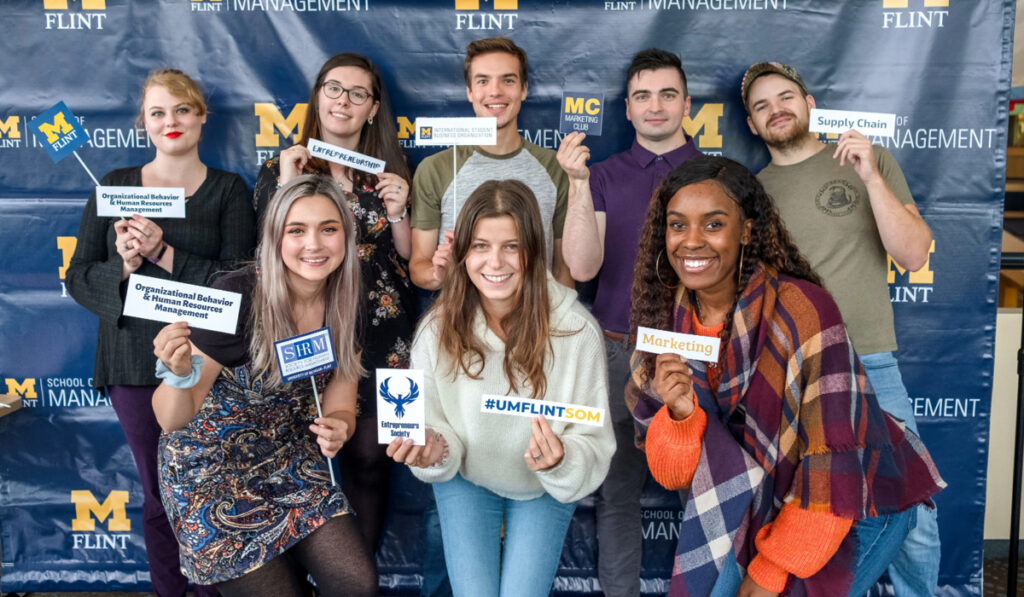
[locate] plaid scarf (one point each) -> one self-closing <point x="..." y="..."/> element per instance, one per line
<point x="793" y="420"/>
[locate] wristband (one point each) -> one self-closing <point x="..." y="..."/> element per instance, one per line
<point x="405" y="212"/>
<point x="160" y="254"/>
<point x="176" y="381"/>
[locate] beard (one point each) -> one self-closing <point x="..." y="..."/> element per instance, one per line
<point x="788" y="137"/>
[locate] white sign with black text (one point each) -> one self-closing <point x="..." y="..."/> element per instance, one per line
<point x="151" y="202"/>
<point x="169" y="301"/>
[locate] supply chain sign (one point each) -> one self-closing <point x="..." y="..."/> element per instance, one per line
<point x="937" y="70"/>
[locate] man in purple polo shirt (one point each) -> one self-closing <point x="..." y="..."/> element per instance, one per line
<point x="607" y="210"/>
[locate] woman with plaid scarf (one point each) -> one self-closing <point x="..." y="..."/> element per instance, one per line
<point x="799" y="484"/>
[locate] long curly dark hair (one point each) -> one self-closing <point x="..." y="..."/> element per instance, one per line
<point x="769" y="245"/>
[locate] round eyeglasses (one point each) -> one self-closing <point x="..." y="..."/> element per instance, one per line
<point x="356" y="95"/>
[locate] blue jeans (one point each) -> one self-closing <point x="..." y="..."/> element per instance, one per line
<point x="878" y="540"/>
<point x="471" y="524"/>
<point x="915" y="569"/>
<point x="619" y="526"/>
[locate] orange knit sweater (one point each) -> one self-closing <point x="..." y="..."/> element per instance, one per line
<point x="798" y="541"/>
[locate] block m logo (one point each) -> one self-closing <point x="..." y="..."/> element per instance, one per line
<point x="113" y="508"/>
<point x="475" y="4"/>
<point x="9" y="127"/>
<point x="906" y="3"/>
<point x="86" y="4"/>
<point x="272" y="120"/>
<point x="54" y="130"/>
<point x="26" y="389"/>
<point x="705" y="124"/>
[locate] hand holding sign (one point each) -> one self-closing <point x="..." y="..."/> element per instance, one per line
<point x="330" y="434"/>
<point x="855" y="148"/>
<point x="146" y="235"/>
<point x="291" y="162"/>
<point x="673" y="382"/>
<point x="131" y="260"/>
<point x="546" y="450"/>
<point x="394" y="192"/>
<point x="405" y="452"/>
<point x="171" y="346"/>
<point x="573" y="156"/>
<point x="443" y="255"/>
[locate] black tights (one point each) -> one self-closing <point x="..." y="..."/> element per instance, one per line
<point x="366" y="479"/>
<point x="333" y="555"/>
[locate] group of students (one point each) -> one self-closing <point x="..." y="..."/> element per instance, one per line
<point x="237" y="497"/>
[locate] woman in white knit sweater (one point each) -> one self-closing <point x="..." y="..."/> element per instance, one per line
<point x="502" y="326"/>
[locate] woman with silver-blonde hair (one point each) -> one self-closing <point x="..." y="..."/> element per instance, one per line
<point x="242" y="472"/>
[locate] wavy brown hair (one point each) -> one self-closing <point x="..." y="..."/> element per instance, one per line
<point x="378" y="139"/>
<point x="769" y="244"/>
<point x="528" y="325"/>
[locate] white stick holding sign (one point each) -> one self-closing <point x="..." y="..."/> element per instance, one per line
<point x="306" y="355"/>
<point x="345" y="157"/>
<point x="453" y="132"/>
<point x="689" y="346"/>
<point x="152" y="202"/>
<point x="400" y="411"/>
<point x="169" y="301"/>
<point x="876" y="124"/>
<point x="87" y="170"/>
<point x="552" y="411"/>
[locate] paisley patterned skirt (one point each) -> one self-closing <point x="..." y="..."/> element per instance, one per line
<point x="245" y="480"/>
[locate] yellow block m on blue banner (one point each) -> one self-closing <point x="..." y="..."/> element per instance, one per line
<point x="59" y="131"/>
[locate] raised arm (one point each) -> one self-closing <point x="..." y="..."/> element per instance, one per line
<point x="176" y="401"/>
<point x="904" y="233"/>
<point x="583" y="234"/>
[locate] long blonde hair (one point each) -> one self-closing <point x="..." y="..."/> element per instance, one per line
<point x="271" y="318"/>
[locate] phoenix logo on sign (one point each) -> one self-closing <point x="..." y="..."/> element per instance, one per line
<point x="469" y="16"/>
<point x="911" y="287"/>
<point x="914" y="14"/>
<point x="703" y="127"/>
<point x="60" y="15"/>
<point x="10" y="131"/>
<point x="274" y="125"/>
<point x="89" y="511"/>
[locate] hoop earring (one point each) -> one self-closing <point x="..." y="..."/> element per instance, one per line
<point x="657" y="272"/>
<point x="739" y="271"/>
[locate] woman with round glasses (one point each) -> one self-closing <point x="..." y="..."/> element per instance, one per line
<point x="348" y="107"/>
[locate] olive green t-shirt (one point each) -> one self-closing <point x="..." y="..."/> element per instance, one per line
<point x="435" y="203"/>
<point x="826" y="209"/>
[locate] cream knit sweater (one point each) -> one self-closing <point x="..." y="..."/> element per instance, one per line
<point x="487" y="449"/>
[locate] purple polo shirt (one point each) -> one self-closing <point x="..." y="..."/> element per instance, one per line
<point x="622" y="186"/>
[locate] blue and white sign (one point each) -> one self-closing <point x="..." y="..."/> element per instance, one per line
<point x="581" y="111"/>
<point x="400" y="410"/>
<point x="305" y="355"/>
<point x="58" y="131"/>
<point x="456" y="131"/>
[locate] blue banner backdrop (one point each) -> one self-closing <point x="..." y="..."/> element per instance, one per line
<point x="69" y="501"/>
